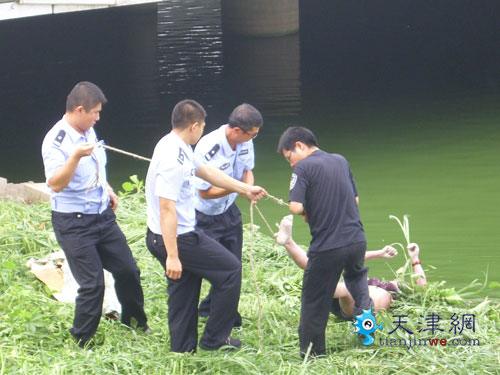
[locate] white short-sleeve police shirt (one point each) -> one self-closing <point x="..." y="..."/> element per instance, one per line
<point x="86" y="192"/>
<point x="170" y="176"/>
<point x="214" y="149"/>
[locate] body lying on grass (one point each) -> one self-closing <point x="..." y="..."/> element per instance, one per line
<point x="53" y="270"/>
<point x="382" y="293"/>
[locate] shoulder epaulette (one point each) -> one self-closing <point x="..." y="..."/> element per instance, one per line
<point x="180" y="158"/>
<point x="59" y="138"/>
<point x="210" y="154"/>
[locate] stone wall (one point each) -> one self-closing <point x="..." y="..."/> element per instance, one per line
<point x="26" y="192"/>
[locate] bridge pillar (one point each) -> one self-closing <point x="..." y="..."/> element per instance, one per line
<point x="260" y="17"/>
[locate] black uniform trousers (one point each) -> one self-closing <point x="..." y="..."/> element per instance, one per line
<point x="227" y="229"/>
<point x="321" y="276"/>
<point x="91" y="243"/>
<point x="202" y="258"/>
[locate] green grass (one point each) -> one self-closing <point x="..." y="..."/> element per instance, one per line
<point x="34" y="337"/>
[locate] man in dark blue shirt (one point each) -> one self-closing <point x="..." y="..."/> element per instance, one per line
<point x="322" y="189"/>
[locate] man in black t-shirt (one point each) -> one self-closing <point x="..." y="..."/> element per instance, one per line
<point x="322" y="189"/>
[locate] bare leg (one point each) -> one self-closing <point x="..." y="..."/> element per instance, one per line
<point x="381" y="298"/>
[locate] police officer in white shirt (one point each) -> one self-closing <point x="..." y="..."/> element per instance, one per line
<point x="230" y="149"/>
<point x="83" y="216"/>
<point x="187" y="254"/>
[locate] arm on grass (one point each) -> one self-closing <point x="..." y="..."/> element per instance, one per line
<point x="388" y="252"/>
<point x="413" y="252"/>
<point x="300" y="258"/>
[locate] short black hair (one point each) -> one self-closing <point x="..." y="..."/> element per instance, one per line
<point x="245" y="116"/>
<point x="85" y="94"/>
<point x="296" y="134"/>
<point x="187" y="112"/>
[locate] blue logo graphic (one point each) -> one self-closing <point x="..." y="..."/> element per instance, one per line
<point x="366" y="325"/>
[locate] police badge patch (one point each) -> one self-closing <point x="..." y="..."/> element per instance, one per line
<point x="293" y="181"/>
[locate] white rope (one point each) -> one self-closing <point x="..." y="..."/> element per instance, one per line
<point x="265" y="221"/>
<point x="125" y="153"/>
<point x="252" y="266"/>
<point x="277" y="200"/>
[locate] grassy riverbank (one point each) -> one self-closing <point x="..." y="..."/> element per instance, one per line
<point x="34" y="333"/>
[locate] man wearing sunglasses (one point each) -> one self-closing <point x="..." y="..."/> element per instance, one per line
<point x="230" y="149"/>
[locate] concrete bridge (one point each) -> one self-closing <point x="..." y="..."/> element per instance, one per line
<point x="26" y="8"/>
<point x="245" y="17"/>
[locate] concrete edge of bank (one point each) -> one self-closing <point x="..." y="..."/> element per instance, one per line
<point x="25" y="192"/>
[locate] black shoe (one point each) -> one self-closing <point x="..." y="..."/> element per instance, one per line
<point x="112" y="315"/>
<point x="238" y="321"/>
<point x="83" y="343"/>
<point x="146" y="330"/>
<point x="140" y="328"/>
<point x="230" y="344"/>
<point x="86" y="345"/>
<point x="313" y="355"/>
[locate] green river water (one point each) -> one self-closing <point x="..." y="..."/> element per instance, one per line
<point x="437" y="162"/>
<point x="408" y="92"/>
